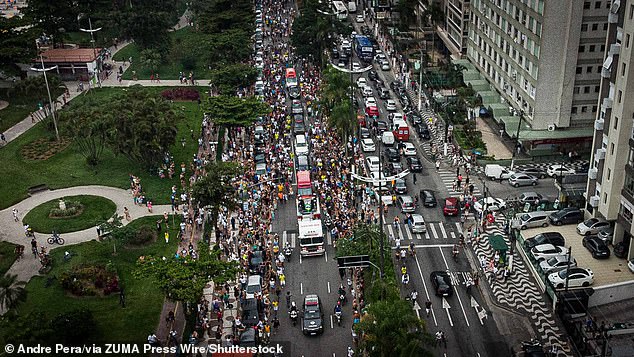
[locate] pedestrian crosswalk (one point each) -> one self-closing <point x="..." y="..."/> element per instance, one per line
<point x="434" y="230"/>
<point x="448" y="179"/>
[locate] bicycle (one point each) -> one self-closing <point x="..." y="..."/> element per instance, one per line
<point x="55" y="239"/>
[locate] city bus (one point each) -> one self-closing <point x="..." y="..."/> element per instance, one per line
<point x="307" y="201"/>
<point x="364" y="49"/>
<point x="311" y="237"/>
<point x="340" y="10"/>
<point x="291" y="78"/>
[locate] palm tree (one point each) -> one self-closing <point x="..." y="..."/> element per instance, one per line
<point x="151" y="59"/>
<point x="11" y="292"/>
<point x="215" y="190"/>
<point x="390" y="328"/>
<point x="343" y="120"/>
<point x="335" y="88"/>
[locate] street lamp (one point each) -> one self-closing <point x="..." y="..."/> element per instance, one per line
<point x="94" y="50"/>
<point x="48" y="89"/>
<point x="517" y="138"/>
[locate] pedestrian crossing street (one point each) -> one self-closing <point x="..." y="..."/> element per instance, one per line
<point x="435" y="230"/>
<point x="448" y="178"/>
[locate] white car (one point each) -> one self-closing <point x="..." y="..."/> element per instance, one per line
<point x="368" y="145"/>
<point x="396" y="116"/>
<point x="630" y="264"/>
<point x="367" y="91"/>
<point x="370" y="102"/>
<point x="494" y="204"/>
<point x="379" y="57"/>
<point x="356" y="66"/>
<point x="373" y="163"/>
<point x="362" y="82"/>
<point x="360" y="19"/>
<point x="385" y="65"/>
<point x="417" y="223"/>
<point x="557" y="263"/>
<point x="409" y="149"/>
<point x="576" y="277"/>
<point x="591" y="226"/>
<point x="390" y="105"/>
<point x="559" y="170"/>
<point x="547" y="251"/>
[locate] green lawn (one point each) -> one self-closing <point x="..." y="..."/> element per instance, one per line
<point x="7" y="256"/>
<point x="114" y="323"/>
<point x="68" y="167"/>
<point x="167" y="70"/>
<point x="20" y="107"/>
<point x="96" y="210"/>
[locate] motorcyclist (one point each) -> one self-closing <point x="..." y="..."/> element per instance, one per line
<point x="405" y="279"/>
<point x="455" y="251"/>
<point x="293" y="307"/>
<point x="413" y="295"/>
<point x="338" y="308"/>
<point x="403" y="270"/>
<point x="341" y="290"/>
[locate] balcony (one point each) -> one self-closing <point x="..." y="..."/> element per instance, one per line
<point x="598" y="124"/>
<point x="607" y="103"/>
<point x="592" y="173"/>
<point x="594" y="201"/>
<point x="600" y="154"/>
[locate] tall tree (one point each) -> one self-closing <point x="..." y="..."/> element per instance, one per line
<point x="151" y="58"/>
<point x="343" y="119"/>
<point x="215" y="190"/>
<point x="17" y="42"/>
<point x="234" y="111"/>
<point x="391" y="328"/>
<point x="12" y="292"/>
<point x="335" y="88"/>
<point x="228" y="79"/>
<point x="183" y="278"/>
<point x="88" y="125"/>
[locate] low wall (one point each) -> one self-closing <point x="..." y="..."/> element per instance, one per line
<point x="611" y="293"/>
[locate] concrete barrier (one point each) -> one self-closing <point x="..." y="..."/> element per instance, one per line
<point x="611" y="293"/>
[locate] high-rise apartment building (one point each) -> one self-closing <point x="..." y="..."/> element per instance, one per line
<point x="455" y="27"/>
<point x="610" y="190"/>
<point x="544" y="57"/>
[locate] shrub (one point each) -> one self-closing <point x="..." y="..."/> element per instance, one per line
<point x="190" y="94"/>
<point x="144" y="235"/>
<point x="72" y="209"/>
<point x="89" y="280"/>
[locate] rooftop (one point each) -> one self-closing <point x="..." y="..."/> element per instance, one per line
<point x="67" y="55"/>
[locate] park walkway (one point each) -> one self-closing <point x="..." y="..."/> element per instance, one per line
<point x="13" y="232"/>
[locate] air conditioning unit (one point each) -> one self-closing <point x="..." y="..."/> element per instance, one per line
<point x="598" y="124"/>
<point x="594" y="201"/>
<point x="552" y="127"/>
<point x="600" y="154"/>
<point x="592" y="173"/>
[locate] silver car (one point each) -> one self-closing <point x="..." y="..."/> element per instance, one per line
<point x="557" y="263"/>
<point x="520" y="179"/>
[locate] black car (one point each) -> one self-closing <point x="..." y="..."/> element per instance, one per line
<point x="583" y="169"/>
<point x="249" y="338"/>
<point x="428" y="198"/>
<point x="392" y="155"/>
<point x="381" y="126"/>
<point x="294" y="92"/>
<point x="423" y="131"/>
<point x="378" y="83"/>
<point x="621" y="249"/>
<point x="395" y="84"/>
<point x="567" y="215"/>
<point x="372" y="75"/>
<point x="596" y="246"/>
<point x="255" y="261"/>
<point x="250" y="312"/>
<point x="298" y="118"/>
<point x="554" y="238"/>
<point x="533" y="171"/>
<point x="442" y="283"/>
<point x="365" y="133"/>
<point x="299" y="128"/>
<point x="384" y="93"/>
<point x="413" y="164"/>
<point x="313" y="317"/>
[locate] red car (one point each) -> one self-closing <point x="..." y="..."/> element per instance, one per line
<point x="451" y="207"/>
<point x="372" y="112"/>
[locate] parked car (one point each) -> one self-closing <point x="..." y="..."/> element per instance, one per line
<point x="530" y="197"/>
<point x="533" y="219"/>
<point x="441" y="281"/>
<point x="368" y="145"/>
<point x="554" y="238"/>
<point x="566" y="215"/>
<point x="606" y="234"/>
<point x="596" y="246"/>
<point x="557" y="263"/>
<point x="630" y="264"/>
<point x="558" y="170"/>
<point x="413" y="164"/>
<point x="533" y="171"/>
<point x="546" y="251"/>
<point x="621" y="249"/>
<point x="591" y="226"/>
<point x="493" y="204"/>
<point x="576" y="277"/>
<point x="428" y="198"/>
<point x="451" y="207"/>
<point x="517" y="180"/>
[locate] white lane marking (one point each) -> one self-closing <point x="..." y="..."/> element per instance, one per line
<point x="430" y="246"/>
<point x="331" y="322"/>
<point x="425" y="287"/>
<point x="329" y="238"/>
<point x="409" y="233"/>
<point x="301" y="288"/>
<point x="300" y="258"/>
<point x="293" y="240"/>
<point x="459" y="226"/>
<point x="326" y="255"/>
<point x="443" y="256"/>
<point x="446" y="306"/>
<point x="453" y="234"/>
<point x="390" y="231"/>
<point x="442" y="229"/>
<point x="433" y="230"/>
<point x="328" y="287"/>
<point x="284" y="238"/>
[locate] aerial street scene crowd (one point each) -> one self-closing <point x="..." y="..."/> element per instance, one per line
<point x="317" y="178"/>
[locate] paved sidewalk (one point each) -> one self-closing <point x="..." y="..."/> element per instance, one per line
<point x="13" y="232"/>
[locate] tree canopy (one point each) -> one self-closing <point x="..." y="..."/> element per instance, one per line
<point x="235" y="111"/>
<point x="184" y="278"/>
<point x="215" y="189"/>
<point x="17" y="42"/>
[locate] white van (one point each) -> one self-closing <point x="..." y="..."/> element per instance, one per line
<point x="497" y="172"/>
<point x="387" y="138"/>
<point x="417" y="224"/>
<point x="301" y="146"/>
<point x="254" y="286"/>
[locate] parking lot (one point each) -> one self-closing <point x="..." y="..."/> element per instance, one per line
<point x="606" y="271"/>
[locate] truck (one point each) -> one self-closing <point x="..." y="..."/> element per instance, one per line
<point x="352" y="6"/>
<point x="311" y="237"/>
<point x="497" y="172"/>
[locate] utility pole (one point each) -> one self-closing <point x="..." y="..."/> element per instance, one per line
<point x="568" y="267"/>
<point x="48" y="89"/>
<point x="94" y="50"/>
<point x="382" y="259"/>
<point x="517" y="140"/>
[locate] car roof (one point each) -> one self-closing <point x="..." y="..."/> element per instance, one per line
<point x="417" y="217"/>
<point x="311" y="300"/>
<point x="452" y="200"/>
<point x="543" y="247"/>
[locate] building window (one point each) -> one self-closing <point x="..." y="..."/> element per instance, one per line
<point x="626" y="213"/>
<point x="579" y="70"/>
<point x="620" y="96"/>
<point x="584" y="109"/>
<point x="575" y="90"/>
<point x="623" y="66"/>
<point x="605" y="26"/>
<point x="597" y="5"/>
<point x="589" y="69"/>
<point x="631" y="11"/>
<point x="630" y="158"/>
<point x="612" y="149"/>
<point x="595" y="27"/>
<point x="592" y="48"/>
<point x="609" y="173"/>
<point x="627" y="40"/>
<point x="586" y="89"/>
<point x="582" y="49"/>
<point x="586" y="5"/>
<point x="605" y="198"/>
<point x="596" y="89"/>
<point x="594" y="108"/>
<point x="584" y="27"/>
<point x="573" y="110"/>
<point x="616" y="122"/>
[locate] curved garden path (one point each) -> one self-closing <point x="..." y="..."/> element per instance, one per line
<point x="13" y="232"/>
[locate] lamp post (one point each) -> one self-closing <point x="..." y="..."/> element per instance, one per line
<point x="517" y="140"/>
<point x="94" y="50"/>
<point x="48" y="89"/>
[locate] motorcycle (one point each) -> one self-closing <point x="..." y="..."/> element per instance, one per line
<point x="342" y="299"/>
<point x="338" y="316"/>
<point x="294" y="317"/>
<point x="287" y="253"/>
<point x="328" y="221"/>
